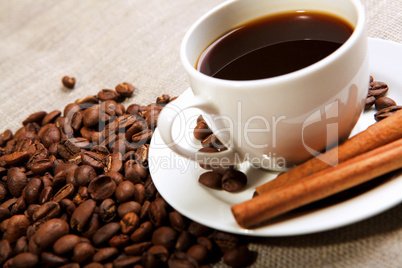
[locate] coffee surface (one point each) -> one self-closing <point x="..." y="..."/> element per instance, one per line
<point x="274" y="45"/>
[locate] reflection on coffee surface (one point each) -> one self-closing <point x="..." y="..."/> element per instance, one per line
<point x="274" y="45"/>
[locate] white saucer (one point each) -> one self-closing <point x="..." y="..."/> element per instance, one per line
<point x="176" y="178"/>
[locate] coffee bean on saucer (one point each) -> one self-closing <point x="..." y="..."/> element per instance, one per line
<point x="377" y="89"/>
<point x="202" y="131"/>
<point x="211" y="179"/>
<point x="370" y="100"/>
<point x="234" y="181"/>
<point x="384" y="102"/>
<point x="386" y="112"/>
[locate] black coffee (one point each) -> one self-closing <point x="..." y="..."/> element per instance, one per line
<point x="274" y="45"/>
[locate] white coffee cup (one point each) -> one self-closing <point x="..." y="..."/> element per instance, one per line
<point x="278" y="122"/>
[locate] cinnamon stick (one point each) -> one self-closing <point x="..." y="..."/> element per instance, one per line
<point x="352" y="172"/>
<point x="376" y="135"/>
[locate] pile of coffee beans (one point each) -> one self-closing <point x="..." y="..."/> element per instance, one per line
<point x="219" y="177"/>
<point x="75" y="191"/>
<point x="376" y="96"/>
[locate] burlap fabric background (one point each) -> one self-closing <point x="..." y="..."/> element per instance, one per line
<point x="103" y="43"/>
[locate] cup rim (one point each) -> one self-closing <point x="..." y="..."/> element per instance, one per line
<point x="240" y="84"/>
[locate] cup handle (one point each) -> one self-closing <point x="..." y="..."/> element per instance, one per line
<point x="165" y="123"/>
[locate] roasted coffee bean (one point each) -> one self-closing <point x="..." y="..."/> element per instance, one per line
<point x="113" y="162"/>
<point x="127" y="207"/>
<point x="66" y="244"/>
<point x="3" y="192"/>
<point x="93" y="226"/>
<point x="140" y="193"/>
<point x="162" y="100"/>
<point x="105" y="254"/>
<point x="239" y="256"/>
<point x="52" y="260"/>
<point x="6" y="136"/>
<point x="71" y="265"/>
<point x="15" y="158"/>
<point x="103" y="234"/>
<point x="129" y="223"/>
<point x="49" y="135"/>
<point x="21" y="245"/>
<point x="177" y="221"/>
<point x="67" y="149"/>
<point x="32" y="190"/>
<point x="68" y="82"/>
<point x="66" y="191"/>
<point x="117" y="177"/>
<point x="213" y="142"/>
<point x="142" y="137"/>
<point x="87" y="132"/>
<point x="165" y="236"/>
<point x="47" y="211"/>
<point x="198" y="229"/>
<point x="151" y="117"/>
<point x="384" y="102"/>
<point x="82" y="214"/>
<point x="5" y="250"/>
<point x="136" y="127"/>
<point x="47" y="234"/>
<point x="202" y="131"/>
<point x="66" y="167"/>
<point x="3" y="225"/>
<point x="157" y="212"/>
<point x="386" y="112"/>
<point x="133" y="109"/>
<point x="83" y="253"/>
<point x="141" y="155"/>
<point x="119" y="241"/>
<point x="50" y="117"/>
<point x="234" y="181"/>
<point x="125" y="89"/>
<point x="93" y="159"/>
<point x="124" y="122"/>
<point x="18" y="207"/>
<point x="182" y="260"/>
<point x="128" y="261"/>
<point x="377" y="89"/>
<point x="124" y="191"/>
<point x="35" y="118"/>
<point x="23" y="260"/>
<point x="225" y="241"/>
<point x="68" y="206"/>
<point x="198" y="252"/>
<point x="138" y="248"/>
<point x="144" y="210"/>
<point x="42" y="166"/>
<point x="156" y="256"/>
<point x="46" y="195"/>
<point x="206" y="242"/>
<point x="131" y="173"/>
<point x="84" y="174"/>
<point x="143" y="232"/>
<point x="91" y="116"/>
<point x="107" y="210"/>
<point x="211" y="179"/>
<point x="16" y="227"/>
<point x="107" y="94"/>
<point x="101" y="187"/>
<point x="184" y="241"/>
